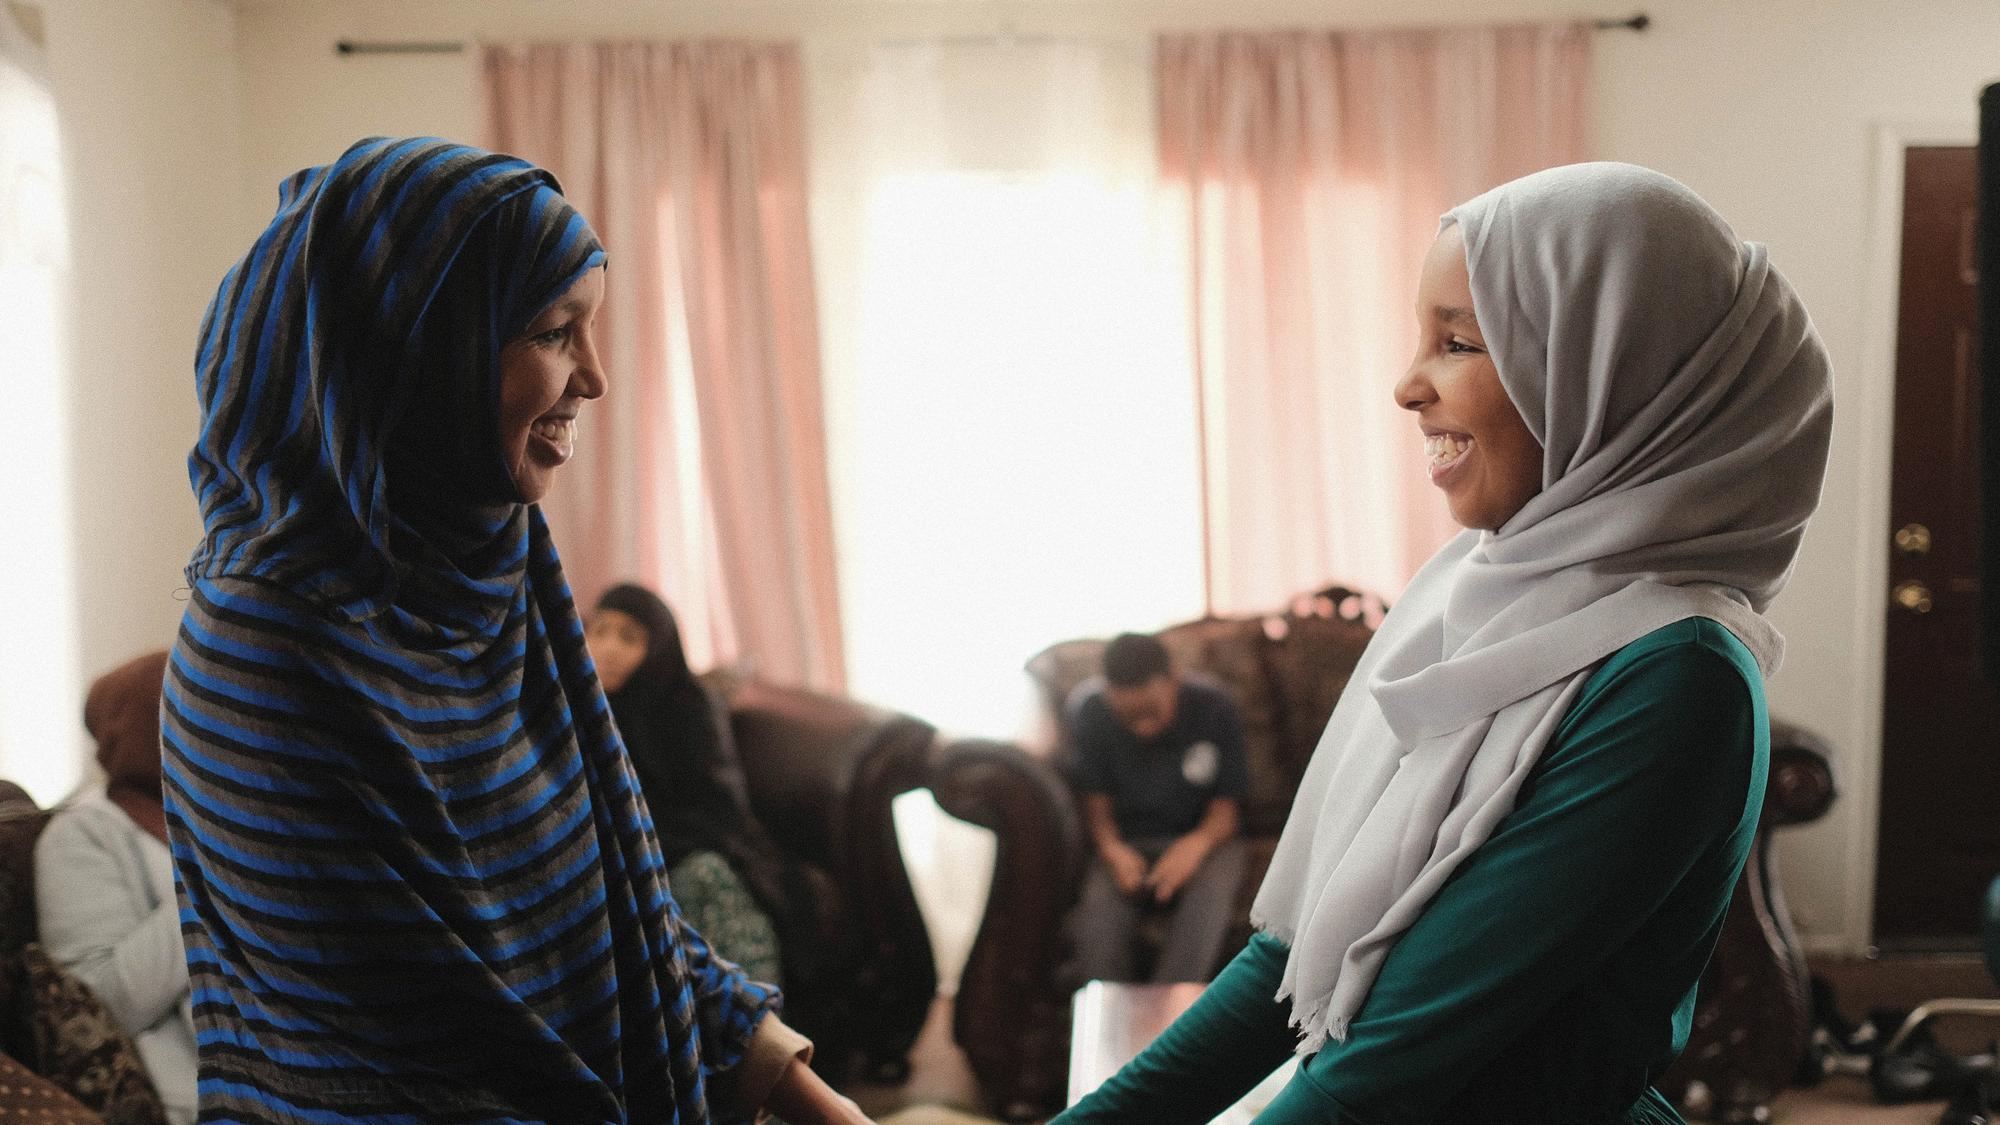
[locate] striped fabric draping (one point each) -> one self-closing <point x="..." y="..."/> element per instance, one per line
<point x="416" y="880"/>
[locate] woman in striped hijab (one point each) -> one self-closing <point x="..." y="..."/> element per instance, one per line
<point x="416" y="879"/>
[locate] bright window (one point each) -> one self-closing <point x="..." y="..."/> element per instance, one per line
<point x="40" y="696"/>
<point x="1023" y="439"/>
<point x="1010" y="403"/>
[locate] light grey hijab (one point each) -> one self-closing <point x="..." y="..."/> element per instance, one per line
<point x="1682" y="400"/>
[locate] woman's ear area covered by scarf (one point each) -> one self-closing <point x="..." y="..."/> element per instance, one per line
<point x="1595" y="284"/>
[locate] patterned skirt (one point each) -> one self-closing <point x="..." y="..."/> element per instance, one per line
<point x="714" y="901"/>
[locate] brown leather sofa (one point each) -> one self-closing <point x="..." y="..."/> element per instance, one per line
<point x="1286" y="671"/>
<point x="1753" y="1016"/>
<point x="821" y="771"/>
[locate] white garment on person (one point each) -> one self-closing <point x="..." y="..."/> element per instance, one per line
<point x="104" y="891"/>
<point x="1682" y="400"/>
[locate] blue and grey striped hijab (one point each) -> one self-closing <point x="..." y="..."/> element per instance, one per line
<point x="416" y="878"/>
<point x="362" y="332"/>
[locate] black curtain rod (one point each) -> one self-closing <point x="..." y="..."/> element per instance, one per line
<point x="359" y="47"/>
<point x="1639" y="22"/>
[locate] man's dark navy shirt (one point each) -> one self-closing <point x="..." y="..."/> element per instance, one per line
<point x="1160" y="787"/>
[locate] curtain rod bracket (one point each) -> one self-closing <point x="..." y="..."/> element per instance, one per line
<point x="1639" y="22"/>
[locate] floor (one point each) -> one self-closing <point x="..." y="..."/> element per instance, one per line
<point x="941" y="1090"/>
<point x="1845" y="1101"/>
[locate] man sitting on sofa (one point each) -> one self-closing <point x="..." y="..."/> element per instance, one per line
<point x="1160" y="765"/>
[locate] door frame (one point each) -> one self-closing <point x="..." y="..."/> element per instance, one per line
<point x="1871" y="401"/>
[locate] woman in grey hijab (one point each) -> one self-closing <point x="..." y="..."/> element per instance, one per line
<point x="1513" y="851"/>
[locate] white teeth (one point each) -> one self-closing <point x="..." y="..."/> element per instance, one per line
<point x="1442" y="449"/>
<point x="556" y="429"/>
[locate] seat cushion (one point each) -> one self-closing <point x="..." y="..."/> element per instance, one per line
<point x="77" y="1045"/>
<point x="28" y="1097"/>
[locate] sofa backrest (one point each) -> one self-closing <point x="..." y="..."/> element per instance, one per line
<point x="21" y="822"/>
<point x="1285" y="671"/>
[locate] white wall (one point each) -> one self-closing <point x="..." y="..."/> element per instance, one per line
<point x="1768" y="109"/>
<point x="148" y="99"/>
<point x="1774" y="112"/>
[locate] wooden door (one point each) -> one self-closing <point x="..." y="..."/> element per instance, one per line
<point x="1940" y="817"/>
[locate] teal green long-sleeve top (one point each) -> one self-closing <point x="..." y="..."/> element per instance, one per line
<point x="1553" y="976"/>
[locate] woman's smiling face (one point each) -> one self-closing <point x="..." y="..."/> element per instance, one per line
<point x="546" y="374"/>
<point x="1478" y="449"/>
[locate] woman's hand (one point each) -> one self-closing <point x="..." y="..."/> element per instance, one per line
<point x="803" y="1098"/>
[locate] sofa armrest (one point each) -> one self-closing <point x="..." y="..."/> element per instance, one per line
<point x="809" y="760"/>
<point x="1011" y="1016"/>
<point x="823" y="773"/>
<point x="1801" y="787"/>
<point x="1752" y="1017"/>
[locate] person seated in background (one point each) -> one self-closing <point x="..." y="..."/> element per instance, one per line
<point x="729" y="877"/>
<point x="104" y="881"/>
<point x="1160" y="764"/>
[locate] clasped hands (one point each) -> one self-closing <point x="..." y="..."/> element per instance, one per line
<point x="1166" y="876"/>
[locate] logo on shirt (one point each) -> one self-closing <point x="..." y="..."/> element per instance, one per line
<point x="1201" y="763"/>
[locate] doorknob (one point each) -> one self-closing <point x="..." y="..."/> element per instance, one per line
<point x="1913" y="596"/>
<point x="1913" y="539"/>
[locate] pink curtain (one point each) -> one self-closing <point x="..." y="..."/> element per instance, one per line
<point x="1312" y="168"/>
<point x="703" y="472"/>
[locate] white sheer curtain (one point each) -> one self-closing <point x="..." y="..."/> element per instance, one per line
<point x="1010" y="404"/>
<point x="41" y="696"/>
<point x="1012" y="431"/>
